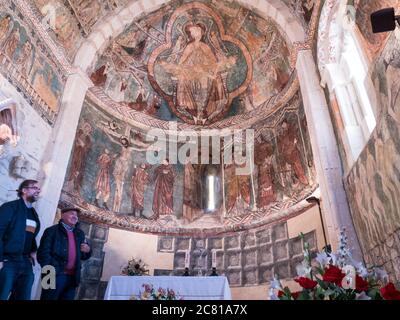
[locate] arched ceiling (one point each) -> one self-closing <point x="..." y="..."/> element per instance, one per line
<point x="253" y="44"/>
<point x="238" y="63"/>
<point x="206" y="64"/>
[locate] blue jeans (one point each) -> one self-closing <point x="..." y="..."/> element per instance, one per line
<point x="65" y="289"/>
<point x="16" y="278"/>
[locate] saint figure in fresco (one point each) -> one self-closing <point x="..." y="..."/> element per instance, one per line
<point x="83" y="143"/>
<point x="102" y="186"/>
<point x="238" y="187"/>
<point x="163" y="201"/>
<point x="289" y="151"/>
<point x="200" y="90"/>
<point x="11" y="43"/>
<point x="4" y="27"/>
<point x="140" y="178"/>
<point x="24" y="58"/>
<point x="264" y="158"/>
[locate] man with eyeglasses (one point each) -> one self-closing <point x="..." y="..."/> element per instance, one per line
<point x="19" y="226"/>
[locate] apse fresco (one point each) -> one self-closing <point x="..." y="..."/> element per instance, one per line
<point x="195" y="62"/>
<point x="37" y="73"/>
<point x="111" y="179"/>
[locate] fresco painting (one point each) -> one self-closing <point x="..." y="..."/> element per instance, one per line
<point x="193" y="61"/>
<point x="376" y="209"/>
<point x="109" y="173"/>
<point x="18" y="46"/>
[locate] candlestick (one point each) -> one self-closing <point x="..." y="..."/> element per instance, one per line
<point x="214" y="258"/>
<point x="187" y="259"/>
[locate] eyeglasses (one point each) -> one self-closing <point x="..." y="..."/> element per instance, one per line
<point x="35" y="188"/>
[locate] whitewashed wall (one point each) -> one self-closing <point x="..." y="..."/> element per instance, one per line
<point x="34" y="134"/>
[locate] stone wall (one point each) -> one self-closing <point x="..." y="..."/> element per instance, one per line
<point x="21" y="159"/>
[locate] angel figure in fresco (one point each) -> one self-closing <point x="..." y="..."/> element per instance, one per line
<point x="200" y="89"/>
<point x="83" y="144"/>
<point x="99" y="77"/>
<point x="5" y="23"/>
<point x="102" y="186"/>
<point x="288" y="148"/>
<point x="163" y="201"/>
<point x="140" y="178"/>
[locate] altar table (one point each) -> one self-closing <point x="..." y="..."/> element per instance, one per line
<point x="187" y="288"/>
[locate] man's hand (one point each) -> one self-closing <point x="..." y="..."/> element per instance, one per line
<point x="33" y="258"/>
<point x="1" y="265"/>
<point x="85" y="248"/>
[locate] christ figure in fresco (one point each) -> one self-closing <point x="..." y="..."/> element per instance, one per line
<point x="290" y="153"/>
<point x="163" y="201"/>
<point x="102" y="186"/>
<point x="200" y="88"/>
<point x="120" y="168"/>
<point x="140" y="179"/>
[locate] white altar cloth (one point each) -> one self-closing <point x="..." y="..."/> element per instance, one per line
<point x="187" y="288"/>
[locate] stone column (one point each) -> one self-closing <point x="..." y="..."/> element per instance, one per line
<point x="58" y="151"/>
<point x="326" y="154"/>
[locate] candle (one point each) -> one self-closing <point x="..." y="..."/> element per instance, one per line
<point x="214" y="258"/>
<point x="187" y="259"/>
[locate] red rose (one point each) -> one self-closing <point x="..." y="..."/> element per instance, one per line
<point x="334" y="274"/>
<point x="361" y="284"/>
<point x="295" y="295"/>
<point x="390" y="293"/>
<point x="280" y="294"/>
<point x="306" y="283"/>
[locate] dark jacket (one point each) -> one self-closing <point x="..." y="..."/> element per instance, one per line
<point x="53" y="249"/>
<point x="13" y="216"/>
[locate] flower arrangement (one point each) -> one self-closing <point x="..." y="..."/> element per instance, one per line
<point x="150" y="293"/>
<point x="336" y="277"/>
<point x="135" y="267"/>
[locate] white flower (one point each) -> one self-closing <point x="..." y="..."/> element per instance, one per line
<point x="333" y="258"/>
<point x="275" y="284"/>
<point x="272" y="294"/>
<point x="323" y="259"/>
<point x="361" y="270"/>
<point x="362" y="296"/>
<point x="301" y="271"/>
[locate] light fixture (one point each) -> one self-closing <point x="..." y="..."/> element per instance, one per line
<point x="384" y="20"/>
